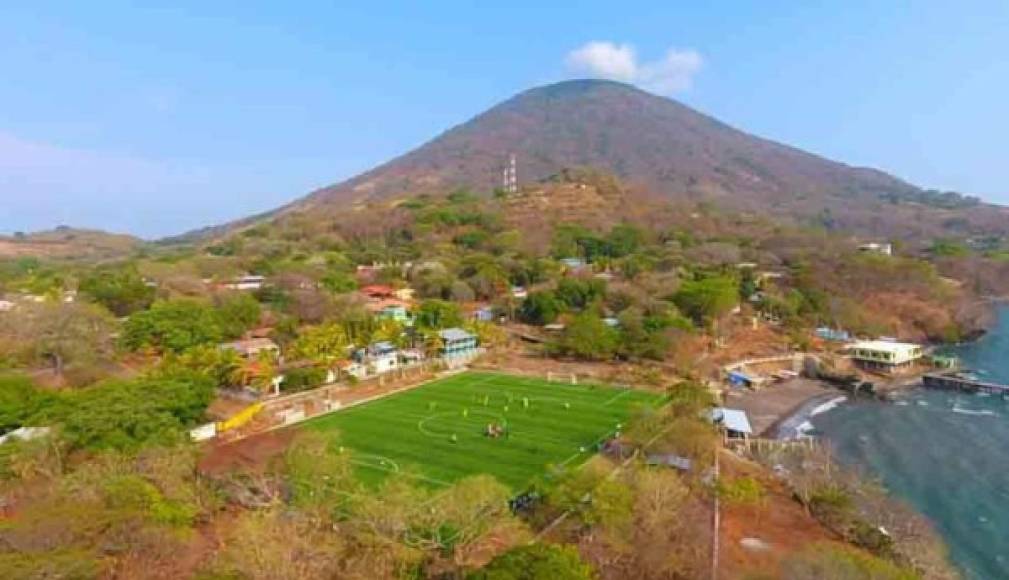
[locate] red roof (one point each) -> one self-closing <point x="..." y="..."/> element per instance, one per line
<point x="380" y="305"/>
<point x="377" y="291"/>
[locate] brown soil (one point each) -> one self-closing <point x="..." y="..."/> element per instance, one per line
<point x="250" y="454"/>
<point x="781" y="524"/>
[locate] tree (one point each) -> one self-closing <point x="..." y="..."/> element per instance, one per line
<point x="623" y="240"/>
<point x="541" y="307"/>
<point x="62" y="333"/>
<point x="578" y="294"/>
<point x="588" y="337"/>
<point x="218" y="365"/>
<point x="237" y="313"/>
<point x="707" y="299"/>
<point x="638" y="339"/>
<point x="174" y="325"/>
<point x="127" y="415"/>
<point x="438" y="314"/>
<point x="19" y="401"/>
<point x="123" y="291"/>
<point x="535" y="561"/>
<point x="324" y="344"/>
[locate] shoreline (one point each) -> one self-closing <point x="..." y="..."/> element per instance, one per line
<point x="792" y="424"/>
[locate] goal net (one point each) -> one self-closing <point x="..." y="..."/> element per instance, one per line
<point x="566" y="378"/>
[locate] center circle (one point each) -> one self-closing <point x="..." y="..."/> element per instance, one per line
<point x="434" y="431"/>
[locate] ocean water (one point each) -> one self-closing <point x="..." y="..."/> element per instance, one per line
<point x="946" y="453"/>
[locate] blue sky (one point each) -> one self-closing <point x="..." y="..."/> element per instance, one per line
<point x="154" y="119"/>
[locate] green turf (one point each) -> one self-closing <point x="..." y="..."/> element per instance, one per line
<point x="413" y="431"/>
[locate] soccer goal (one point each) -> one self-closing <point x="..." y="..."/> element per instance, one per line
<point x="567" y="378"/>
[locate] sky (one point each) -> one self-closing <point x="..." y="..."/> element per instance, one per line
<point x="154" y="119"/>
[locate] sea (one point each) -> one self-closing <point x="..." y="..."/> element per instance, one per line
<point x="945" y="453"/>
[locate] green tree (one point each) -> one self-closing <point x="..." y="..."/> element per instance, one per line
<point x="540" y="307"/>
<point x="123" y="291"/>
<point x="535" y="562"/>
<point x="707" y="299"/>
<point x="237" y="313"/>
<point x="578" y="294"/>
<point x="324" y="344"/>
<point x="173" y="326"/>
<point x="588" y="337"/>
<point x="19" y="401"/>
<point x="127" y="415"/>
<point x="438" y="314"/>
<point x="624" y="239"/>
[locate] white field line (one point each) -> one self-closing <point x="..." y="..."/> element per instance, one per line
<point x="616" y="397"/>
<point x="396" y="470"/>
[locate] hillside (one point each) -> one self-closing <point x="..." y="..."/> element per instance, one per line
<point x="68" y="243"/>
<point x="666" y="148"/>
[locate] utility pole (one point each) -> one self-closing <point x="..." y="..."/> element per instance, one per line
<point x="509" y="176"/>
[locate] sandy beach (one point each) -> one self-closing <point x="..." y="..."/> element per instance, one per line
<point x="778" y="410"/>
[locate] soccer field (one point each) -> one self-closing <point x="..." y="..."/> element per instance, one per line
<point x="438" y="430"/>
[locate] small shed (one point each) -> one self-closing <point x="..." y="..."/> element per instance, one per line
<point x="741" y="379"/>
<point x="251" y="347"/>
<point x="733" y="422"/>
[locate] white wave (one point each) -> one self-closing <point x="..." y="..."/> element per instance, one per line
<point x="922" y="403"/>
<point x="901" y="403"/>
<point x="803" y="428"/>
<point x="827" y="406"/>
<point x="984" y="412"/>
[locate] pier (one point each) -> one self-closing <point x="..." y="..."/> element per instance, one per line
<point x="963" y="381"/>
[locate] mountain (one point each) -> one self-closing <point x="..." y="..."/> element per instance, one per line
<point x="663" y="146"/>
<point x="65" y="242"/>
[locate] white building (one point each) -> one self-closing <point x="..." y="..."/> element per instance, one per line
<point x="877" y="248"/>
<point x="885" y="355"/>
<point x="246" y="283"/>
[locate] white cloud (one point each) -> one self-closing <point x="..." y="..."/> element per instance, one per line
<point x="671" y="74"/>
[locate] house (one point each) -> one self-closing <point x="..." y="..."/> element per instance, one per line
<point x="378" y="292"/>
<point x="247" y="282"/>
<point x="252" y="347"/>
<point x="483" y="313"/>
<point x="389" y="309"/>
<point x="520" y="292"/>
<point x="945" y="362"/>
<point x="574" y="264"/>
<point x="353" y="368"/>
<point x="382" y="357"/>
<point x="404" y="294"/>
<point x="733" y="423"/>
<point x="836" y="335"/>
<point x="884" y="355"/>
<point x="457" y="343"/>
<point x="410" y="356"/>
<point x="883" y="249"/>
<point x="611" y="321"/>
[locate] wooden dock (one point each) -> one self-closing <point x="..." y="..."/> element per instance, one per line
<point x="962" y="381"/>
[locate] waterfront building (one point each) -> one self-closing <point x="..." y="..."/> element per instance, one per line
<point x="884" y="355"/>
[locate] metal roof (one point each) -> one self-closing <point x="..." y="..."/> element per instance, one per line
<point x="732" y="419"/>
<point x="455" y="334"/>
